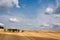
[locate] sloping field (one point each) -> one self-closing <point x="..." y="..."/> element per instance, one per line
<point x="28" y="35"/>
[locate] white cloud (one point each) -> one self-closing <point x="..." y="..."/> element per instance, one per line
<point x="1" y="24"/>
<point x="56" y="23"/>
<point x="56" y="15"/>
<point x="14" y="19"/>
<point x="16" y="3"/>
<point x="49" y="10"/>
<point x="9" y="3"/>
<point x="46" y="24"/>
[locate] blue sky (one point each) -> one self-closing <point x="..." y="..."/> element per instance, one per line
<point x="30" y="14"/>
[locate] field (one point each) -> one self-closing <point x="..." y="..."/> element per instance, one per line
<point x="30" y="35"/>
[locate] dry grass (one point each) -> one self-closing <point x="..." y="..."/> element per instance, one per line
<point x="28" y="35"/>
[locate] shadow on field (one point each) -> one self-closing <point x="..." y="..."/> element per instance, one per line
<point x="15" y="37"/>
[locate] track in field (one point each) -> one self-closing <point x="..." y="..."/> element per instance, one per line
<point x="29" y="36"/>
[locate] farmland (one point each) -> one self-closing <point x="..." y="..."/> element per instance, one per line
<point x="30" y="35"/>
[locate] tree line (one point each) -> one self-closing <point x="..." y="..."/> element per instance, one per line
<point x="11" y="30"/>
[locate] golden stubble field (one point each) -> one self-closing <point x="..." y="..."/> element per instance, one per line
<point x="30" y="35"/>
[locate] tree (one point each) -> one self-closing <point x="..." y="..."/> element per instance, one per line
<point x="1" y="27"/>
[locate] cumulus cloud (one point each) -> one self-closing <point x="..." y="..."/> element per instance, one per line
<point x="16" y="3"/>
<point x="1" y="24"/>
<point x="13" y="20"/>
<point x="9" y="3"/>
<point x="49" y="10"/>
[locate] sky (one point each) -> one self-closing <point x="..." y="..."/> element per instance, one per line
<point x="30" y="14"/>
